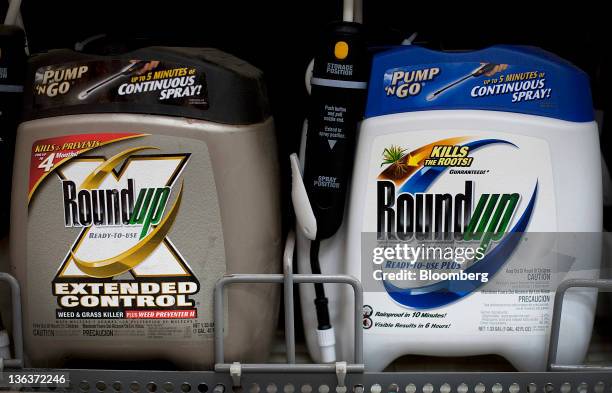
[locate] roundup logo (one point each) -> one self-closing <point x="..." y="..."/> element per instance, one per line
<point x="114" y="207"/>
<point x="405" y="216"/>
<point x="122" y="264"/>
<point x="407" y="211"/>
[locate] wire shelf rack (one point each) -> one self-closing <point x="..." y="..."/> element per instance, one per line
<point x="340" y="377"/>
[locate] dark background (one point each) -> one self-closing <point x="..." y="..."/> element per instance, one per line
<point x="279" y="37"/>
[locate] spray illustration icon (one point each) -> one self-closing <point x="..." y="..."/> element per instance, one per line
<point x="126" y="71"/>
<point x="485" y="69"/>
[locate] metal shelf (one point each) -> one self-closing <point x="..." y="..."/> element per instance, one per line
<point x="404" y="382"/>
<point x="340" y="377"/>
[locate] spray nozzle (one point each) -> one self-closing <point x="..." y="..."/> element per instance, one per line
<point x="485" y="69"/>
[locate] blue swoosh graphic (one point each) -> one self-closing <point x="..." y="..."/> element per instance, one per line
<point x="448" y="291"/>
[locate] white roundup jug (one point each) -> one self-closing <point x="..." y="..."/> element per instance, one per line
<point x="476" y="191"/>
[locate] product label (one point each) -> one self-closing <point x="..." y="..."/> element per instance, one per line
<point x="120" y="81"/>
<point x="537" y="89"/>
<point x="496" y="83"/>
<point x="447" y="238"/>
<point x="124" y="237"/>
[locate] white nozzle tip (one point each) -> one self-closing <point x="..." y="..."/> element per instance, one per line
<point x="431" y="97"/>
<point x="327" y="344"/>
<point x="328" y="354"/>
<point x="83" y="95"/>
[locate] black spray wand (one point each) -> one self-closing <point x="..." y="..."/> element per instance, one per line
<point x="127" y="71"/>
<point x="337" y="103"/>
<point x="485" y="68"/>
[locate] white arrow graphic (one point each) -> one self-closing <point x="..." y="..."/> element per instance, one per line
<point x="332" y="143"/>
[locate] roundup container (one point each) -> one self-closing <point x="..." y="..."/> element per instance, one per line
<point x="494" y="150"/>
<point x="139" y="181"/>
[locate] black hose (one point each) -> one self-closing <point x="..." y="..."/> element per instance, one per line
<point x="323" y="322"/>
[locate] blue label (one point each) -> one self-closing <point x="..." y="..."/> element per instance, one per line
<point x="500" y="78"/>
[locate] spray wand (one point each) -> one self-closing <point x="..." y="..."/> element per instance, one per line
<point x="126" y="71"/>
<point x="483" y="69"/>
<point x="337" y="104"/>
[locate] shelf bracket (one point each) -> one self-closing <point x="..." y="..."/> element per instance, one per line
<point x="555" y="330"/>
<point x="17" y="361"/>
<point x="236" y="374"/>
<point x="341" y="369"/>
